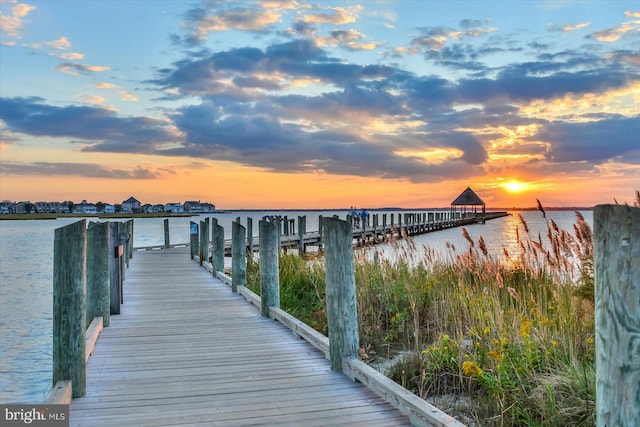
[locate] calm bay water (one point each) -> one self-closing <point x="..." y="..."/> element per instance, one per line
<point x="26" y="277"/>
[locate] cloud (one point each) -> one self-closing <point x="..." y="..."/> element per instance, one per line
<point x="99" y="128"/>
<point x="104" y="85"/>
<point x="60" y="44"/>
<point x="202" y="21"/>
<point x="12" y="24"/>
<point x="569" y="28"/>
<point x="77" y="69"/>
<point x="85" y="170"/>
<point x="71" y="56"/>
<point x="594" y="142"/>
<point x="614" y="34"/>
<point x="336" y="16"/>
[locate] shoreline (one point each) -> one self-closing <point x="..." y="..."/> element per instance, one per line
<point x="50" y="216"/>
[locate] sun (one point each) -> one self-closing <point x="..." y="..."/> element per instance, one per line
<point x="515" y="186"/>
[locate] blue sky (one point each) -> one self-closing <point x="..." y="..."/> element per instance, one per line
<point x="339" y="103"/>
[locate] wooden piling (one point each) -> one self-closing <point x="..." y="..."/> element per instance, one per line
<point x="115" y="268"/>
<point x="342" y="316"/>
<point x="127" y="240"/>
<point x="203" y="246"/>
<point x="302" y="229"/>
<point x="69" y="309"/>
<point x="218" y="249"/>
<point x="167" y="241"/>
<point x="249" y="238"/>
<point x="238" y="256"/>
<point x="617" y="303"/>
<point x="98" y="277"/>
<point x="269" y="266"/>
<point x="193" y="234"/>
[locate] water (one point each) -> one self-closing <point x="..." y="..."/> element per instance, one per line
<point x="26" y="277"/>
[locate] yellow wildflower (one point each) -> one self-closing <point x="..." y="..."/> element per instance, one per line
<point x="471" y="369"/>
<point x="496" y="355"/>
<point x="525" y="327"/>
<point x="486" y="330"/>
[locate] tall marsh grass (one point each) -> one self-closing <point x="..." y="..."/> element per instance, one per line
<point x="512" y="334"/>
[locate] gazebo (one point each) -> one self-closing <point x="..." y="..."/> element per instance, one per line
<point x="468" y="202"/>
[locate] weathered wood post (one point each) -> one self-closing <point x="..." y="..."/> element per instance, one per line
<point x="342" y="315"/>
<point x="249" y="238"/>
<point x="269" y="266"/>
<point x="69" y="309"/>
<point x="617" y="303"/>
<point x="193" y="244"/>
<point x="200" y="242"/>
<point x="167" y="241"/>
<point x="98" y="278"/>
<point x="320" y="241"/>
<point x="238" y="256"/>
<point x="218" y="251"/>
<point x="302" y="229"/>
<point x="127" y="237"/>
<point x="203" y="246"/>
<point x="115" y="267"/>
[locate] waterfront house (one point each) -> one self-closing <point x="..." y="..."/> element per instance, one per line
<point x="85" y="208"/>
<point x="5" y="207"/>
<point x="173" y="208"/>
<point x="192" y="206"/>
<point x="131" y="205"/>
<point x="208" y="207"/>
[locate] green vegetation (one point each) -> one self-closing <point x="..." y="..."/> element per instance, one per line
<point x="512" y="335"/>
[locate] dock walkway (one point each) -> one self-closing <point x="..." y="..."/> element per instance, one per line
<point x="186" y="351"/>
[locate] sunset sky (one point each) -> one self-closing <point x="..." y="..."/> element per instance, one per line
<point x="326" y="104"/>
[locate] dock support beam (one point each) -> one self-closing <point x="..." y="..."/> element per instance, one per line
<point x="238" y="256"/>
<point x="193" y="234"/>
<point x="69" y="306"/>
<point x="98" y="278"/>
<point x="342" y="315"/>
<point x="167" y="241"/>
<point x="269" y="265"/>
<point x="617" y="302"/>
<point x="218" y="247"/>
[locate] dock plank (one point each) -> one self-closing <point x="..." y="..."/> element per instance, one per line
<point x="185" y="351"/>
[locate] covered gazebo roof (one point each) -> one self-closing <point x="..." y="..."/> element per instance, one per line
<point x="468" y="198"/>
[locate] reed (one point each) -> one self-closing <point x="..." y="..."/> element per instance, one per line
<point x="514" y="335"/>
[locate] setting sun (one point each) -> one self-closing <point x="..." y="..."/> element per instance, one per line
<point x="514" y="186"/>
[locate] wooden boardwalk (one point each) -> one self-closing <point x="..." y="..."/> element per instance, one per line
<point x="186" y="351"/>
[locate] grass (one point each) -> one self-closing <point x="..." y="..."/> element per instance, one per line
<point x="512" y="334"/>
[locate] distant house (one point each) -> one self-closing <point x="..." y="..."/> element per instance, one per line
<point x="5" y="208"/>
<point x="192" y="206"/>
<point x="42" y="207"/>
<point x="208" y="207"/>
<point x="23" y="207"/>
<point x="173" y="208"/>
<point x="58" y="207"/>
<point x="149" y="208"/>
<point x="109" y="209"/>
<point x="131" y="205"/>
<point x="85" y="208"/>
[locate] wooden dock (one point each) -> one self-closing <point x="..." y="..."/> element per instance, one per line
<point x="186" y="351"/>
